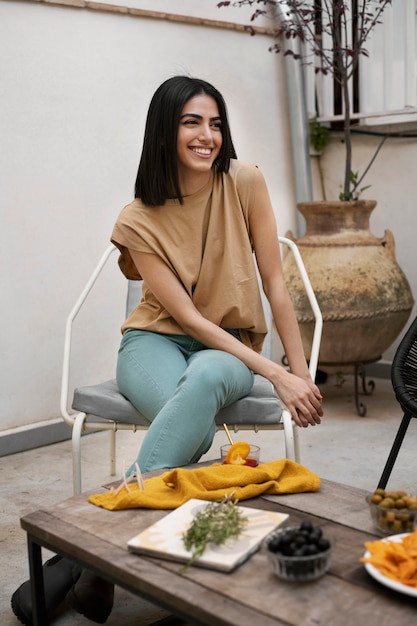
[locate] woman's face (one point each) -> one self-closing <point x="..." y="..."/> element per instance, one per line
<point x="199" y="138"/>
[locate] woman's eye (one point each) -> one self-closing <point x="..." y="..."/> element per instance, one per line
<point x="217" y="125"/>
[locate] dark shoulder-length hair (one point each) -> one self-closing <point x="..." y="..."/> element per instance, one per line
<point x="157" y="178"/>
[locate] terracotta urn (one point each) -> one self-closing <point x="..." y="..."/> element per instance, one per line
<point x="363" y="294"/>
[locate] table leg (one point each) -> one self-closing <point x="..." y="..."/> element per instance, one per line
<point x="36" y="583"/>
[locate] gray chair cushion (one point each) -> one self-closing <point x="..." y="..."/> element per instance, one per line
<point x="105" y="401"/>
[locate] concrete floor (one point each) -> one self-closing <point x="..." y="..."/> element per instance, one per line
<point x="346" y="448"/>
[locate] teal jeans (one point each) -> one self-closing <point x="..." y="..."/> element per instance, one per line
<point x="179" y="385"/>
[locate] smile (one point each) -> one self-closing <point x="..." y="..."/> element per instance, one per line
<point x="203" y="151"/>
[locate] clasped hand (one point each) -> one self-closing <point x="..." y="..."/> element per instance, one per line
<point x="301" y="397"/>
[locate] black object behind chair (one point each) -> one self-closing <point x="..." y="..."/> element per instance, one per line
<point x="404" y="382"/>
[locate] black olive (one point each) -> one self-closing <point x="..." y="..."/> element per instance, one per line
<point x="316" y="535"/>
<point x="308" y="526"/>
<point x="323" y="544"/>
<point x="300" y="551"/>
<point x="274" y="544"/>
<point x="300" y="540"/>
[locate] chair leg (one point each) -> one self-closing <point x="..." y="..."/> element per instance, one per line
<point x="113" y="452"/>
<point x="290" y="448"/>
<point x="296" y="443"/>
<point x="77" y="430"/>
<point x="394" y="451"/>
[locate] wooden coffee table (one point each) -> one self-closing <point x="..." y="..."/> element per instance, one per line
<point x="250" y="596"/>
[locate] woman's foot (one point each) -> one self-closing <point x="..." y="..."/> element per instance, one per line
<point x="92" y="597"/>
<point x="59" y="575"/>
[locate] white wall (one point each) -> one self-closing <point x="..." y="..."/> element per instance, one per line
<point x="75" y="87"/>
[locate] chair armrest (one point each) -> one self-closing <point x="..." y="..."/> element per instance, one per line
<point x="318" y="327"/>
<point x="68" y="332"/>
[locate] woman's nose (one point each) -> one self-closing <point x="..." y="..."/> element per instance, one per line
<point x="205" y="133"/>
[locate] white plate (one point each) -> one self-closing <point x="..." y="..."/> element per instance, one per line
<point x="384" y="580"/>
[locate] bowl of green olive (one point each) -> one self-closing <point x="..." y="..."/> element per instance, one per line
<point x="392" y="512"/>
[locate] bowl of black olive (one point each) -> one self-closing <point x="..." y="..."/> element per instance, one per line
<point x="298" y="554"/>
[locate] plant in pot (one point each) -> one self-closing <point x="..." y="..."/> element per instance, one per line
<point x="363" y="294"/>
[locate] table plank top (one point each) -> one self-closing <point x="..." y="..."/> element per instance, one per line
<point x="250" y="595"/>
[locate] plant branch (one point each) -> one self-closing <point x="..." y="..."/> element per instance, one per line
<point x="334" y="33"/>
<point x="368" y="167"/>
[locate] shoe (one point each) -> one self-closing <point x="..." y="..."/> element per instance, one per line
<point x="91" y="596"/>
<point x="59" y="575"/>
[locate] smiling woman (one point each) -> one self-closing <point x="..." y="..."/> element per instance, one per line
<point x="198" y="142"/>
<point x="171" y="113"/>
<point x="194" y="341"/>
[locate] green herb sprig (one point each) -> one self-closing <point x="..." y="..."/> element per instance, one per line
<point x="216" y="522"/>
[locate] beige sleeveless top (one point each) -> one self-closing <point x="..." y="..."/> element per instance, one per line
<point x="206" y="243"/>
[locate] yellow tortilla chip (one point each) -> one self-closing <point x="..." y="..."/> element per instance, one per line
<point x="395" y="559"/>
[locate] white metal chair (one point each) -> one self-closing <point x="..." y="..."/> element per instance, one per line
<point x="103" y="407"/>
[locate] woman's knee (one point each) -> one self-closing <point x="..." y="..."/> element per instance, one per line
<point x="220" y="371"/>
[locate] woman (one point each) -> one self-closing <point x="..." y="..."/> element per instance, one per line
<point x="194" y="342"/>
